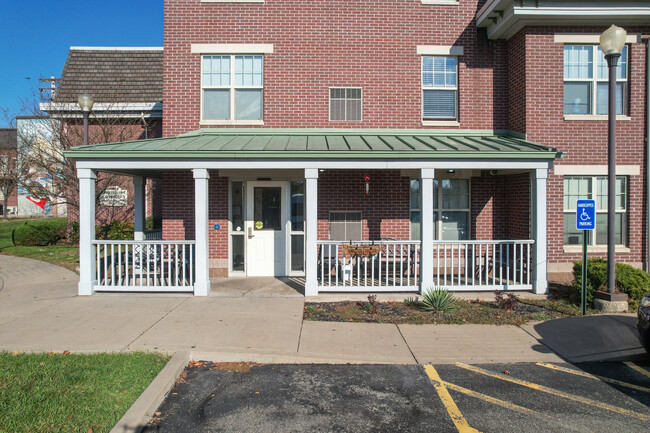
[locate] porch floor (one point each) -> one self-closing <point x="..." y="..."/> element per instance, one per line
<point x="257" y="287"/>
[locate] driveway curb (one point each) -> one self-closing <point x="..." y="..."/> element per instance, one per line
<point x="136" y="418"/>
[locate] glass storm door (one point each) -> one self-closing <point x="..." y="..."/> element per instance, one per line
<point x="265" y="231"/>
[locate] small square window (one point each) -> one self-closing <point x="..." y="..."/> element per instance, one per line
<point x="345" y="104"/>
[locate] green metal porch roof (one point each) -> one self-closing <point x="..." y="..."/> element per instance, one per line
<point x="279" y="144"/>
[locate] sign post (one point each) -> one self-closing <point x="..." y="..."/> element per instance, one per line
<point x="585" y="221"/>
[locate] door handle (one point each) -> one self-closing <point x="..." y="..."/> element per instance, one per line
<point x="250" y="233"/>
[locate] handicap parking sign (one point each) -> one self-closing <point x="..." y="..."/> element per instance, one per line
<point x="586" y="215"/>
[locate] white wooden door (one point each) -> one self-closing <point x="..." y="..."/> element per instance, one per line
<point x="265" y="229"/>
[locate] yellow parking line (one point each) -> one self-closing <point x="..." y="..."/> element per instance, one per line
<point x="489" y="399"/>
<point x="556" y="392"/>
<point x="456" y="416"/>
<point x="638" y="368"/>
<point x="593" y="376"/>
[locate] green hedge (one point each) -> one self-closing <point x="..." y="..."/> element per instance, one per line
<point x="632" y="281"/>
<point x="39" y="233"/>
<point x="115" y="231"/>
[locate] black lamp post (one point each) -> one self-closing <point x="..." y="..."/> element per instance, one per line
<point x="611" y="43"/>
<point x="86" y="104"/>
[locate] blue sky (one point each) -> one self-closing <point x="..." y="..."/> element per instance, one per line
<point x="35" y="37"/>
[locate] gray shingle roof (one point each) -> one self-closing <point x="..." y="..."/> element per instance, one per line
<point x="112" y="75"/>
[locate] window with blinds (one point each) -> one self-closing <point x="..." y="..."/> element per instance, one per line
<point x="345" y="226"/>
<point x="439" y="88"/>
<point x="345" y="104"/>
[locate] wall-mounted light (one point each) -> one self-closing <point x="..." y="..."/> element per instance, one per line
<point x="367" y="179"/>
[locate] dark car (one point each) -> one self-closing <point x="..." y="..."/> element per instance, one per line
<point x="643" y="321"/>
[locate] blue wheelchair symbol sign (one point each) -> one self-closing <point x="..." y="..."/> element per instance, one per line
<point x="586" y="215"/>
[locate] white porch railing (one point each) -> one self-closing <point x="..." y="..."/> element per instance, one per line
<point x="394" y="266"/>
<point x="145" y="266"/>
<point x="387" y="266"/>
<point x="483" y="265"/>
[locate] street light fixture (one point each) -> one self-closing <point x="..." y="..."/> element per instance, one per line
<point x="86" y="104"/>
<point x="611" y="43"/>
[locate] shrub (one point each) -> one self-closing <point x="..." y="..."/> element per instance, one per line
<point x="630" y="280"/>
<point x="506" y="302"/>
<point x="39" y="233"/>
<point x="437" y="299"/>
<point x="73" y="233"/>
<point x="153" y="223"/>
<point x="115" y="231"/>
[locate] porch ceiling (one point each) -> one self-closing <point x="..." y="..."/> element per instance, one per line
<point x="292" y="144"/>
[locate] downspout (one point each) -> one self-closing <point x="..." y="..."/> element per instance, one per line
<point x="647" y="153"/>
<point x="144" y="123"/>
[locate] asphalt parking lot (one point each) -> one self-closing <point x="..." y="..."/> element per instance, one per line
<point x="524" y="397"/>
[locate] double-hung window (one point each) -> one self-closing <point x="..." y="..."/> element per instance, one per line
<point x="594" y="188"/>
<point x="232" y="87"/>
<point x="586" y="81"/>
<point x="450" y="209"/>
<point x="439" y="88"/>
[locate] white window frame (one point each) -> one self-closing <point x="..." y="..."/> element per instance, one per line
<point x="232" y="88"/>
<point x="593" y="83"/>
<point x="594" y="196"/>
<point x="439" y="210"/>
<point x="231" y="229"/>
<point x="423" y="88"/>
<point x="345" y="99"/>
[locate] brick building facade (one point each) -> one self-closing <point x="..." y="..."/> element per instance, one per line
<point x="484" y="115"/>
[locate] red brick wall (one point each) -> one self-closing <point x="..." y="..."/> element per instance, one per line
<point x="584" y="142"/>
<point x="178" y="205"/>
<point x="518" y="207"/>
<point x="384" y="211"/>
<point x="517" y="80"/>
<point x="317" y="45"/>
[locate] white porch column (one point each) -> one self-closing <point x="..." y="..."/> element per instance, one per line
<point x="202" y="252"/>
<point x="87" y="271"/>
<point x="538" y="179"/>
<point x="426" y="229"/>
<point x="311" y="231"/>
<point x="139" y="185"/>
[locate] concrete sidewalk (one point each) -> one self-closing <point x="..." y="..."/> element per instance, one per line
<point x="39" y="311"/>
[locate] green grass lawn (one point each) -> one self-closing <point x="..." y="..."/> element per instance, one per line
<point x="71" y="393"/>
<point x="60" y="255"/>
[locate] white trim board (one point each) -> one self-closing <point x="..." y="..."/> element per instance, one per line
<point x="595" y="170"/>
<point x="103" y="106"/>
<point x="591" y="38"/>
<point x="117" y="48"/>
<point x="188" y="164"/>
<point x="232" y="48"/>
<point x="440" y="50"/>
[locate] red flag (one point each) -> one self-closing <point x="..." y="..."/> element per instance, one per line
<point x="40" y="203"/>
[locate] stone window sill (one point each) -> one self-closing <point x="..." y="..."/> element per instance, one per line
<point x="440" y="123"/>
<point x="591" y="117"/>
<point x="440" y="2"/>
<point x="231" y="122"/>
<point x="232" y="1"/>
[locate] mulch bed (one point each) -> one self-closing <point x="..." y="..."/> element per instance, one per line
<point x="477" y="312"/>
